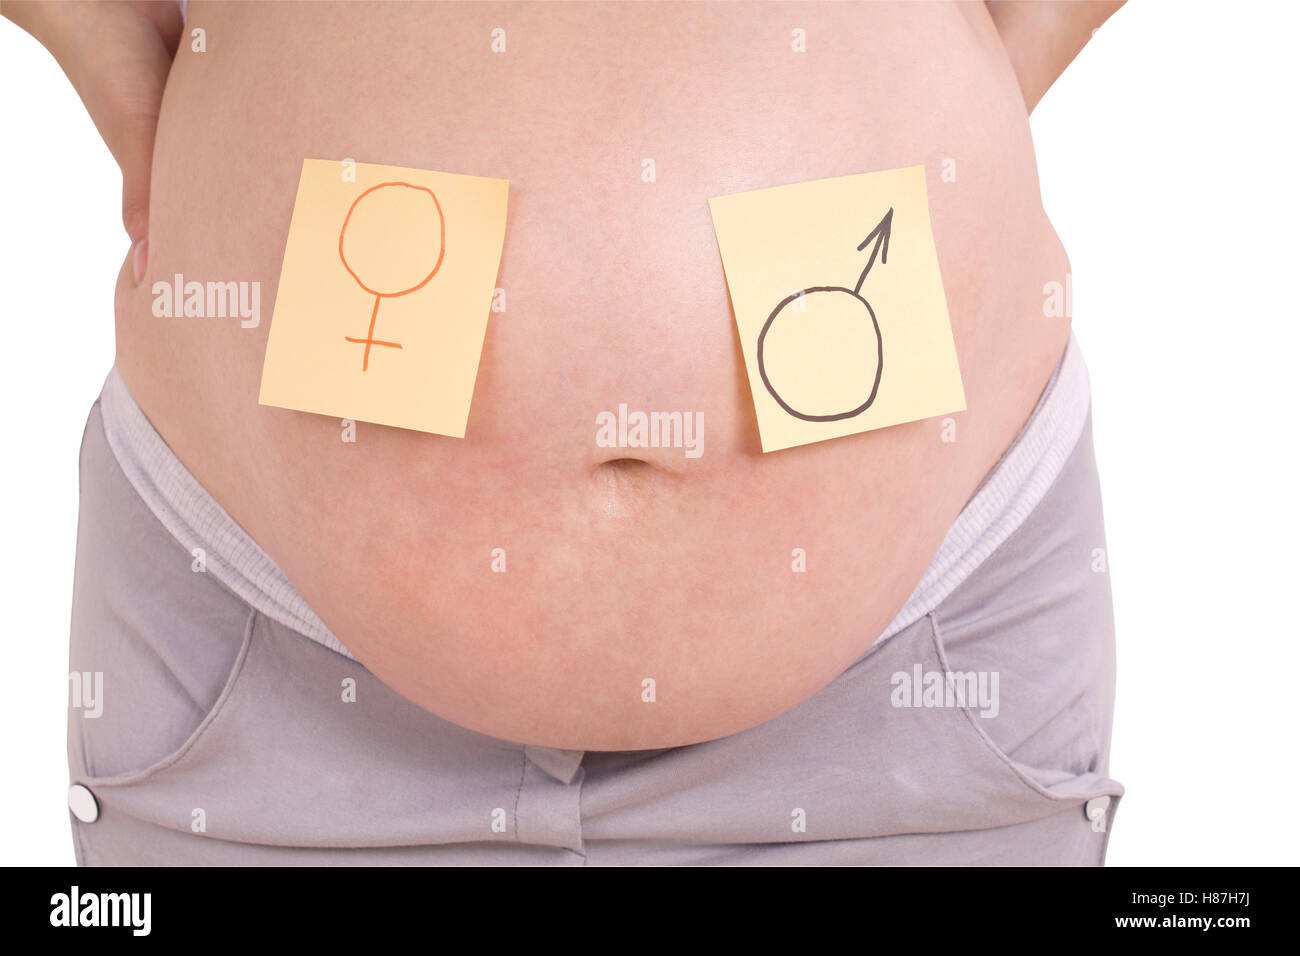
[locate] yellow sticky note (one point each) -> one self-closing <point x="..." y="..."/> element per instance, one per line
<point x="839" y="303"/>
<point x="384" y="295"/>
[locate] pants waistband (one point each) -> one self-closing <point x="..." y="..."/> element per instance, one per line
<point x="196" y="520"/>
<point x="1010" y="491"/>
<point x="999" y="506"/>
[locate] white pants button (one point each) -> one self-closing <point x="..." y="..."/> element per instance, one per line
<point x="1095" y="810"/>
<point x="83" y="804"/>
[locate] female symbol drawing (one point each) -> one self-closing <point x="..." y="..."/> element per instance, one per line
<point x="833" y="325"/>
<point x="366" y="246"/>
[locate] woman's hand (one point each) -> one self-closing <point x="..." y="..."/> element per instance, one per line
<point x="118" y="56"/>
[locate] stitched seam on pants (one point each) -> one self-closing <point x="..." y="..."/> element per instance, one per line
<point x="523" y="772"/>
<point x="582" y="782"/>
<point x="78" y="848"/>
<point x="1112" y="810"/>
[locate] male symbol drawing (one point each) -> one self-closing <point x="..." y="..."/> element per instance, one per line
<point x="825" y="320"/>
<point x="414" y="213"/>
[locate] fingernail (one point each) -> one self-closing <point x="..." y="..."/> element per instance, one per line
<point x="139" y="259"/>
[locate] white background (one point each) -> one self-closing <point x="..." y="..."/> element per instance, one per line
<point x="1168" y="161"/>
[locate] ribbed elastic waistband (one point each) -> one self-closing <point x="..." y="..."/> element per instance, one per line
<point x="1012" y="489"/>
<point x="196" y="520"/>
<point x="1010" y="492"/>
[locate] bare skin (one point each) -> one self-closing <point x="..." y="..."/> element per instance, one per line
<point x="622" y="564"/>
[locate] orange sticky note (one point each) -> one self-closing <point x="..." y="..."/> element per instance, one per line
<point x="839" y="305"/>
<point x="384" y="295"/>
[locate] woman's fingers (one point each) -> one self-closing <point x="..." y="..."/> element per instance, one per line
<point x="121" y="77"/>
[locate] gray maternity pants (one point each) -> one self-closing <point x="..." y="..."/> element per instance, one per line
<point x="216" y="720"/>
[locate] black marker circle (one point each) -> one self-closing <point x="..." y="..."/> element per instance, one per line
<point x="880" y="356"/>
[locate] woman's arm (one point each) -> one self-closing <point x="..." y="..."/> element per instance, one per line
<point x="1043" y="36"/>
<point x="117" y="56"/>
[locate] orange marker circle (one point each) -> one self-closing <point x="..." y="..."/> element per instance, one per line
<point x="418" y="210"/>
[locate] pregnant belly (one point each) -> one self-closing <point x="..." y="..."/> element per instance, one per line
<point x="527" y="581"/>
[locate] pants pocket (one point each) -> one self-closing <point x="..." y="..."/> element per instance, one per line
<point x="154" y="638"/>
